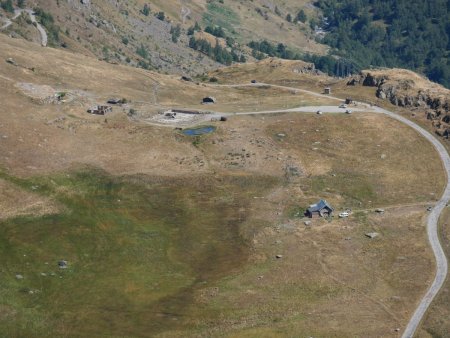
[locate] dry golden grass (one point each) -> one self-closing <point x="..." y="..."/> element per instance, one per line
<point x="295" y="74"/>
<point x="210" y="38"/>
<point x="350" y="160"/>
<point x="43" y="142"/>
<point x="17" y="202"/>
<point x="271" y="70"/>
<point x="414" y="81"/>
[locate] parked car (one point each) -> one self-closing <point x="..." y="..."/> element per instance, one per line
<point x="348" y="111"/>
<point x="343" y="106"/>
<point x="344" y="214"/>
<point x="253" y="81"/>
<point x="319" y="112"/>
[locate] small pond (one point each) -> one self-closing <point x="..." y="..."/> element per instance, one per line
<point x="199" y="131"/>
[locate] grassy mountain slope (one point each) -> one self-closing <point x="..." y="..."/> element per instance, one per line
<point x="126" y="33"/>
<point x="156" y="35"/>
<point x="180" y="238"/>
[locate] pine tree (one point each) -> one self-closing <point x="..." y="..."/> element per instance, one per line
<point x="301" y="16"/>
<point x="8" y="6"/>
<point x="146" y="10"/>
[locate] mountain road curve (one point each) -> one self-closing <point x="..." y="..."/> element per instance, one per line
<point x="432" y="229"/>
<point x="42" y="32"/>
<point x="433" y="217"/>
<point x="30" y="12"/>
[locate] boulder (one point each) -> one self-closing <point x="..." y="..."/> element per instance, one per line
<point x="352" y="82"/>
<point x="370" y="81"/>
<point x="381" y="94"/>
<point x="446" y="119"/>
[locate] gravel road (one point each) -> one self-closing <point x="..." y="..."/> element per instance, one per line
<point x="44" y="38"/>
<point x="42" y="32"/>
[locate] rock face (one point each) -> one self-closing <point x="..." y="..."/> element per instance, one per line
<point x="407" y="89"/>
<point x="307" y="69"/>
<point x="402" y="92"/>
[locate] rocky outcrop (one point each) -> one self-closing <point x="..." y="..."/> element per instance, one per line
<point x="367" y="79"/>
<point x="407" y="89"/>
<point x="402" y="92"/>
<point x="296" y="66"/>
<point x="394" y="95"/>
<point x="306" y="69"/>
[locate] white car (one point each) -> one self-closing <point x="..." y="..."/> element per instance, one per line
<point x="344" y="214"/>
<point x="348" y="111"/>
<point x="343" y="106"/>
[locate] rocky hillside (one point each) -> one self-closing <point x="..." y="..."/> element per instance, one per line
<point x="157" y="34"/>
<point x="405" y="88"/>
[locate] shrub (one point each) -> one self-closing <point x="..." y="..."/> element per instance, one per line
<point x="161" y="16"/>
<point x="146" y="10"/>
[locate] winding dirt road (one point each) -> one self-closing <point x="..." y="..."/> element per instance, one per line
<point x="8" y="22"/>
<point x="433" y="217"/>
<point x="41" y="30"/>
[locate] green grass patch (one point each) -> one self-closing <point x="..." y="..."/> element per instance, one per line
<point x="356" y="189"/>
<point x="221" y="15"/>
<point x="137" y="249"/>
<point x="295" y="211"/>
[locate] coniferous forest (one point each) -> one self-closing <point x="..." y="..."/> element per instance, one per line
<point x="413" y="34"/>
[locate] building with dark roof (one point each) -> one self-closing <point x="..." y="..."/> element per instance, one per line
<point x="209" y="100"/>
<point x="320" y="209"/>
